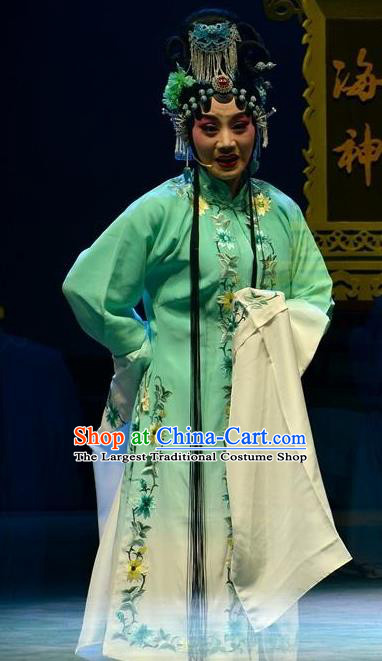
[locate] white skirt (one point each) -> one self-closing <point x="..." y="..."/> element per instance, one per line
<point x="154" y="625"/>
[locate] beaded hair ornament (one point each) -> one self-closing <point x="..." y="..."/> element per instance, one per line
<point x="214" y="69"/>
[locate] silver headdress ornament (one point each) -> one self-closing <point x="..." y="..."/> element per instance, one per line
<point x="212" y="47"/>
<point x="262" y="66"/>
<point x="213" y="63"/>
<point x="262" y="122"/>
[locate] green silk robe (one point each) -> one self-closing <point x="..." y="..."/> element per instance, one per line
<point x="141" y="563"/>
<point x="145" y="253"/>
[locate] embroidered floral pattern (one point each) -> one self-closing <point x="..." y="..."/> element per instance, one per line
<point x="268" y="260"/>
<point x="181" y="188"/>
<point x="262" y="203"/>
<point x="144" y="400"/>
<point x="203" y="206"/>
<point x="186" y="190"/>
<point x="268" y="280"/>
<point x="135" y="566"/>
<point x="161" y="396"/>
<point x="134" y="561"/>
<point x="236" y="637"/>
<point x="158" y="412"/>
<point x="229" y="280"/>
<point x="226" y="300"/>
<point x="252" y="301"/>
<point x="113" y="416"/>
<point x="267" y="256"/>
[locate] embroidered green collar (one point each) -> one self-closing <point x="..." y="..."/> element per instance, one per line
<point x="217" y="191"/>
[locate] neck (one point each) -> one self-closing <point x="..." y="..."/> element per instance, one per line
<point x="234" y="185"/>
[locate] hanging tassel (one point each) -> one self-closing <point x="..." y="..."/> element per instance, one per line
<point x="187" y="172"/>
<point x="179" y="123"/>
<point x="213" y="50"/>
<point x="196" y="566"/>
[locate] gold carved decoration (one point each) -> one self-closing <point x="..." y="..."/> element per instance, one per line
<point x="355" y="286"/>
<point x="339" y="242"/>
<point x="282" y="10"/>
<point x="352" y="247"/>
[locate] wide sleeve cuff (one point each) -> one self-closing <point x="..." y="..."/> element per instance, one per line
<point x="308" y="324"/>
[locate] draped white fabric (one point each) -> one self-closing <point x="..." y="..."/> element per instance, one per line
<point x="124" y="386"/>
<point x="285" y="540"/>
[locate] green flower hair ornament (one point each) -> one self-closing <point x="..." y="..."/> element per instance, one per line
<point x="176" y="83"/>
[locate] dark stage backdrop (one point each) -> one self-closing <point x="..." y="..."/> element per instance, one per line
<point x="86" y="137"/>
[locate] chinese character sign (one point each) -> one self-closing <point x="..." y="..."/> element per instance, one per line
<point x="365" y="153"/>
<point x="365" y="88"/>
<point x="366" y="83"/>
<point x="354" y="120"/>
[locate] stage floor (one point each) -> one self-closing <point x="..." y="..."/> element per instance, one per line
<point x="43" y="586"/>
<point x="340" y="619"/>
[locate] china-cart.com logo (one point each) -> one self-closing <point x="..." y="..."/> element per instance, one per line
<point x="256" y="439"/>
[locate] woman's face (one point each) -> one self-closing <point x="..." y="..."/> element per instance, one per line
<point x="224" y="138"/>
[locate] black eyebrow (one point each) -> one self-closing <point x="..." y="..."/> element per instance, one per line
<point x="239" y="114"/>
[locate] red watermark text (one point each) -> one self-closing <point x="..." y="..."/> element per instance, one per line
<point x="87" y="436"/>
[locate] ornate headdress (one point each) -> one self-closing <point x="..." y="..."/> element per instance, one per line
<point x="213" y="62"/>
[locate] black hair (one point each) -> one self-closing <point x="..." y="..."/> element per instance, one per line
<point x="250" y="51"/>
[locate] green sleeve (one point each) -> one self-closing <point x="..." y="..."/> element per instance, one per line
<point x="107" y="280"/>
<point x="310" y="279"/>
